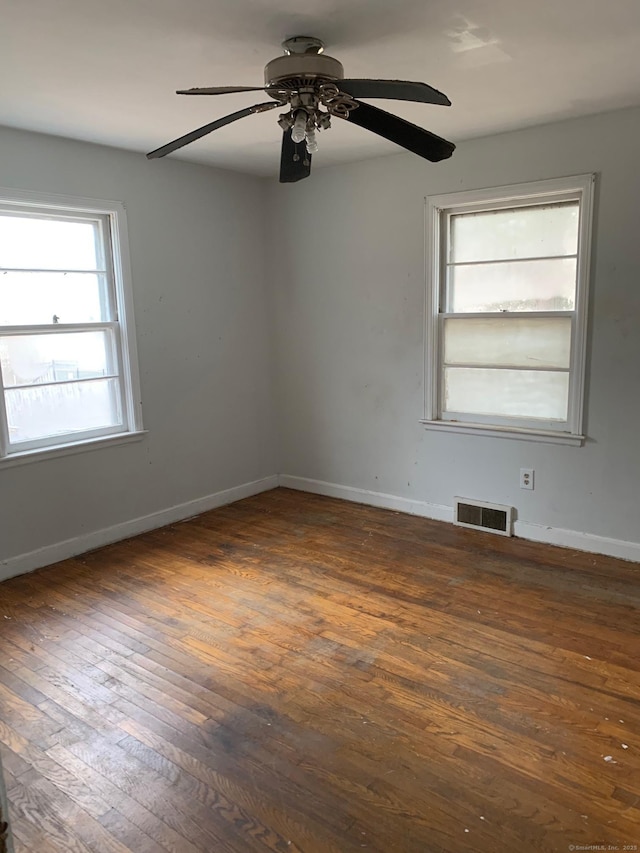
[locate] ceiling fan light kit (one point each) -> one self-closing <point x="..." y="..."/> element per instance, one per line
<point x="313" y="89"/>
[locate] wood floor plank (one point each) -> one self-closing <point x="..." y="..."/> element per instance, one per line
<point x="33" y="805"/>
<point x="135" y="813"/>
<point x="293" y="673"/>
<point x="129" y="835"/>
<point x="37" y="760"/>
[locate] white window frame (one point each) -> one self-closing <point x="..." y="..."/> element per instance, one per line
<point x="438" y="209"/>
<point x="112" y="222"/>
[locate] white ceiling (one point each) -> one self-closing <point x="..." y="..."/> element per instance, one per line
<point x="106" y="70"/>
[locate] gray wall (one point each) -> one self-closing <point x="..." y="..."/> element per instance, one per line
<point x="340" y="337"/>
<point x="201" y="310"/>
<point x="349" y="313"/>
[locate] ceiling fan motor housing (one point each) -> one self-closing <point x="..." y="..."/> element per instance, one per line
<point x="297" y="69"/>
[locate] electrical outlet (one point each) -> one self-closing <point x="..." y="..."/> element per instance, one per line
<point x="526" y="478"/>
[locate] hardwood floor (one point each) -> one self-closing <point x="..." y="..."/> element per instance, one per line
<point x="295" y="673"/>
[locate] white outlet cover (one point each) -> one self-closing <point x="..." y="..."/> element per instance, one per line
<point x="526" y="478"/>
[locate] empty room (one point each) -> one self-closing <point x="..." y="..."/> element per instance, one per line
<point x="319" y="406"/>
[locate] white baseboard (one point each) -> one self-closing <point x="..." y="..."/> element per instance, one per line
<point x="78" y="545"/>
<point x="72" y="547"/>
<point x="589" y="542"/>
<point x="364" y="496"/>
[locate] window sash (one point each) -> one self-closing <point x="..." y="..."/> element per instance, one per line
<point x="505" y="317"/>
<point x="99" y="222"/>
<point x="438" y="209"/>
<point x="457" y="252"/>
<point x="113" y="347"/>
<point x="114" y="366"/>
<point x="112" y="264"/>
<point x="504" y="420"/>
<point x="485" y="288"/>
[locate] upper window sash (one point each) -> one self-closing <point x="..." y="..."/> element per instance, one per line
<point x="103" y="269"/>
<point x="98" y="221"/>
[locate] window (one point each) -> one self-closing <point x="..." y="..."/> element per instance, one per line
<point x="67" y="351"/>
<point x="507" y="309"/>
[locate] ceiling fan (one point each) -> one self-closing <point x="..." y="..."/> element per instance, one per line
<point x="313" y="88"/>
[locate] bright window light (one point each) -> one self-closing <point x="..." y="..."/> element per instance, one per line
<point x="67" y="350"/>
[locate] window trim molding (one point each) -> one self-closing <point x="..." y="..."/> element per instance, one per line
<point x="70" y="448"/>
<point x="119" y="264"/>
<point x="544" y="436"/>
<point x="469" y="201"/>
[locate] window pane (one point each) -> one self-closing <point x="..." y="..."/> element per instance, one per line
<point x="518" y="286"/>
<point x="29" y="242"/>
<point x="521" y="232"/>
<point x="507" y="393"/>
<point x="61" y="409"/>
<point x="35" y="359"/>
<point x="514" y="341"/>
<point x="29" y="299"/>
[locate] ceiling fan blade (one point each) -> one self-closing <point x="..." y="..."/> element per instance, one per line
<point x="292" y="170"/>
<point x="220" y="90"/>
<point x="208" y="128"/>
<point x="395" y="129"/>
<point x="399" y="90"/>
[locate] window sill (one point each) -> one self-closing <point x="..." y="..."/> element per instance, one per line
<point x="68" y="449"/>
<point x="543" y="436"/>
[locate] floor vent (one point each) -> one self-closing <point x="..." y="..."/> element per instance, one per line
<point x="494" y="518"/>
